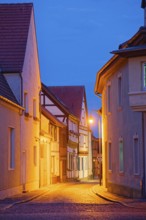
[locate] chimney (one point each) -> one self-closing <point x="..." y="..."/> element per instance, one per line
<point x="143" y="5"/>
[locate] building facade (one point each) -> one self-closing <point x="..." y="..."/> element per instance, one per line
<point x="121" y="81"/>
<point x="22" y="76"/>
<point x="79" y="153"/>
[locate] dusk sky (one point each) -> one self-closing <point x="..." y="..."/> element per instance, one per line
<point x="75" y="38"/>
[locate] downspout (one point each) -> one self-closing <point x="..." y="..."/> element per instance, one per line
<point x="21" y="147"/>
<point x="143" y="146"/>
<point x="78" y="149"/>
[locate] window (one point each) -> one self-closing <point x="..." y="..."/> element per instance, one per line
<point x="86" y="163"/>
<point x="109" y="98"/>
<point x="121" y="156"/>
<point x="136" y="155"/>
<point x="42" y="151"/>
<point x="109" y="156"/>
<point x="26" y="102"/>
<point x="11" y="148"/>
<point x="70" y="163"/>
<point x="119" y="91"/>
<point x="81" y="163"/>
<point x="35" y="155"/>
<point x="64" y="167"/>
<point x="55" y="133"/>
<point x="53" y="164"/>
<point x="34" y="109"/>
<point x="82" y="168"/>
<point x="67" y="160"/>
<point x="144" y="76"/>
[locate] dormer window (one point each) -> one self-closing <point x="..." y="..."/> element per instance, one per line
<point x="144" y="76"/>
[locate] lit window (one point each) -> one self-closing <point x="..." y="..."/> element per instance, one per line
<point x="109" y="156"/>
<point x="121" y="156"/>
<point x="11" y="148"/>
<point x="144" y="76"/>
<point x="136" y="155"/>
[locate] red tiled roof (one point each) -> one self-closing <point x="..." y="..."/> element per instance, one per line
<point x="14" y="26"/>
<point x="71" y="96"/>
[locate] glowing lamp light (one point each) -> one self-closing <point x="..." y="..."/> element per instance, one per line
<point x="90" y="120"/>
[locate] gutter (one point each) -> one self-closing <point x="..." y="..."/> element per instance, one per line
<point x="10" y="102"/>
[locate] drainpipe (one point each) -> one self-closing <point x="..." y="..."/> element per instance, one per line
<point x="143" y="149"/>
<point x="22" y="151"/>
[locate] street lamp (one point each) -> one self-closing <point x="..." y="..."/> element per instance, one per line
<point x="90" y="120"/>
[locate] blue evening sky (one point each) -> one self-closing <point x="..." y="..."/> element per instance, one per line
<point x="75" y="38"/>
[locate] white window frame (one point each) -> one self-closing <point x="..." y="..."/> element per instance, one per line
<point x="136" y="159"/>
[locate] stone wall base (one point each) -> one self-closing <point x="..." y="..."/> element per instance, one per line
<point x="10" y="192"/>
<point x="124" y="190"/>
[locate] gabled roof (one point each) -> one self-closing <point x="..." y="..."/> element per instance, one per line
<point x="134" y="47"/>
<point x="71" y="96"/>
<point x="5" y="90"/>
<point x="54" y="99"/>
<point x="14" y="26"/>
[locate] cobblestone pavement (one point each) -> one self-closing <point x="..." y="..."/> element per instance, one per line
<point x="71" y="201"/>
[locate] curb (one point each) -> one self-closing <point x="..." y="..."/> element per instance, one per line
<point x="115" y="201"/>
<point x="23" y="201"/>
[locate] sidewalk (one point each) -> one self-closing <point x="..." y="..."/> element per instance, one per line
<point x="129" y="202"/>
<point x="21" y="198"/>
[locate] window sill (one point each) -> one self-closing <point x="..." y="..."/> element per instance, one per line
<point x="136" y="174"/>
<point x="120" y="108"/>
<point x="11" y="169"/>
<point x="110" y="171"/>
<point x="36" y="119"/>
<point x="121" y="173"/>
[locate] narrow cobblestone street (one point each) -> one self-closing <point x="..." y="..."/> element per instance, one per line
<point x="71" y="201"/>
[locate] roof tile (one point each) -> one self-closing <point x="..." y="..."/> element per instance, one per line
<point x="14" y="26"/>
<point x="71" y="96"/>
